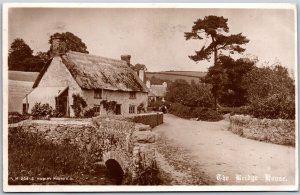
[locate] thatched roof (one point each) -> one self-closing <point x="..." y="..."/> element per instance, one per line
<point x="95" y="72"/>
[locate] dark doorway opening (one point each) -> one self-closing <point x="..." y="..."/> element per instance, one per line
<point x="62" y="103"/>
<point x="118" y="109"/>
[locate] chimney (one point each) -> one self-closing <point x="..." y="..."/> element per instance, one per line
<point x="58" y="46"/>
<point x="148" y="84"/>
<point x="165" y="84"/>
<point x="126" y="58"/>
<point x="141" y="74"/>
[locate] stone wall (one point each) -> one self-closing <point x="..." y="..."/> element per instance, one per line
<point x="277" y="131"/>
<point x="99" y="139"/>
<point x="152" y="119"/>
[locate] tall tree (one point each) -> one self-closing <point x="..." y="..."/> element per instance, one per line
<point x="18" y="52"/>
<point x="226" y="78"/>
<point x="216" y="29"/>
<point x="73" y="43"/>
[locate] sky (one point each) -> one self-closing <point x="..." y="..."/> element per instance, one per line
<point x="155" y="37"/>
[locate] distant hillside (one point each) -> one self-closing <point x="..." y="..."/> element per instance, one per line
<point x="174" y="75"/>
<point x="22" y="76"/>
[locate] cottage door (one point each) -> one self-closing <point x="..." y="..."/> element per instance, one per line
<point x="62" y="104"/>
<point x="118" y="109"/>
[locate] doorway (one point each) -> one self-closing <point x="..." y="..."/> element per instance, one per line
<point x="118" y="109"/>
<point x="62" y="104"/>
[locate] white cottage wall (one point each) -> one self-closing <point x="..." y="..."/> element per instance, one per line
<point x="120" y="97"/>
<point x="57" y="75"/>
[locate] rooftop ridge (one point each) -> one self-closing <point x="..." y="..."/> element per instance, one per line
<point x="96" y="57"/>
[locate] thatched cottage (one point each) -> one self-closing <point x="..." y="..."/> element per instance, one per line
<point x="96" y="79"/>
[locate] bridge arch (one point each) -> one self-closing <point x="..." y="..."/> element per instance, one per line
<point x="117" y="164"/>
<point x="115" y="170"/>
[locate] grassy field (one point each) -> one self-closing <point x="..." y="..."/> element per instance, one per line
<point x="174" y="75"/>
<point x="22" y="76"/>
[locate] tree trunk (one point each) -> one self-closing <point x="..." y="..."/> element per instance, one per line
<point x="215" y="63"/>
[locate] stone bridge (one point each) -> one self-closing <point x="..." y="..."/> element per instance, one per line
<point x="125" y="147"/>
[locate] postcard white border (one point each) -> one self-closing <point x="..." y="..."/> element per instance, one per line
<point x="108" y="188"/>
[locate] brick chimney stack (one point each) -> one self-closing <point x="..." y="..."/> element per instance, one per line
<point x="126" y="58"/>
<point x="58" y="46"/>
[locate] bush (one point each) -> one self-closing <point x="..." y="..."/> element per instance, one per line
<point x="90" y="113"/>
<point x="78" y="104"/>
<point x="15" y="117"/>
<point x="41" y="110"/>
<point x="271" y="93"/>
<point x="193" y="95"/>
<point x="204" y="114"/>
<point x="58" y="113"/>
<point x="141" y="108"/>
<point x="273" y="108"/>
<point x="245" y="110"/>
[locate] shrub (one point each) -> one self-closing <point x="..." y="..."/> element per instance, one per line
<point x="141" y="108"/>
<point x="235" y="110"/>
<point x="204" y="114"/>
<point x="194" y="94"/>
<point x="271" y="93"/>
<point x="41" y="110"/>
<point x="156" y="105"/>
<point x="90" y="113"/>
<point x="15" y="117"/>
<point x="78" y="104"/>
<point x="200" y="113"/>
<point x="58" y="114"/>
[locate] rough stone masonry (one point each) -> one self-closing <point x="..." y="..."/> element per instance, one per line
<point x="101" y="139"/>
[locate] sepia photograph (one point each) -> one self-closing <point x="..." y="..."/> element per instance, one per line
<point x="149" y="97"/>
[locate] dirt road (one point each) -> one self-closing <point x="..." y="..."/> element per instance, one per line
<point x="211" y="151"/>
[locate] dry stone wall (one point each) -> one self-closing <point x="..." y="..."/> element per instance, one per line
<point x="277" y="131"/>
<point x="152" y="119"/>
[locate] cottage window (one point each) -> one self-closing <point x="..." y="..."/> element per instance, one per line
<point x="132" y="95"/>
<point x="98" y="94"/>
<point x="131" y="109"/>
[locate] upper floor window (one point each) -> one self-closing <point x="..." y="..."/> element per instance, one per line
<point x="98" y="94"/>
<point x="132" y="95"/>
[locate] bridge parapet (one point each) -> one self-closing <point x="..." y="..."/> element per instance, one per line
<point x="99" y="140"/>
